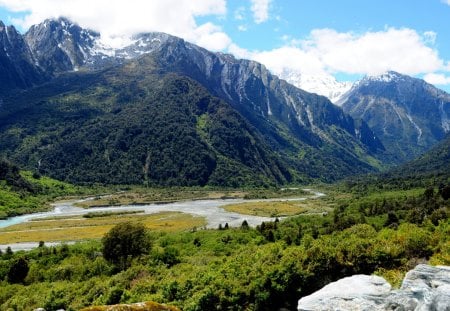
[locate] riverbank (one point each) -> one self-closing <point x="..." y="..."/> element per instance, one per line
<point x="66" y="222"/>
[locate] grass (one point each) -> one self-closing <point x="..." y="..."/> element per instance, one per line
<point x="279" y="208"/>
<point x="143" y="196"/>
<point x="71" y="229"/>
<point x="140" y="195"/>
<point x="143" y="306"/>
<point x="108" y="214"/>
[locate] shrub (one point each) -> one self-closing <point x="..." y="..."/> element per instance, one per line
<point x="124" y="242"/>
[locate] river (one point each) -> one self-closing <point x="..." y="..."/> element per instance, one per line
<point x="211" y="210"/>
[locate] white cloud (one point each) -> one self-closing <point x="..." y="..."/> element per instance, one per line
<point x="260" y="9"/>
<point x="437" y="79"/>
<point x="329" y="51"/>
<point x="430" y="36"/>
<point x="402" y="50"/>
<point x="239" y="52"/>
<point x="116" y="18"/>
<point x="290" y="58"/>
<point x="209" y="36"/>
<point x="242" y="28"/>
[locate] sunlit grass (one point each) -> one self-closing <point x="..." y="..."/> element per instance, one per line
<point x="279" y="208"/>
<point x="74" y="229"/>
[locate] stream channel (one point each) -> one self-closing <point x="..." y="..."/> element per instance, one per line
<point x="211" y="210"/>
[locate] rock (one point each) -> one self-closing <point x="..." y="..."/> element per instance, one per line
<point x="424" y="288"/>
<point x="362" y="291"/>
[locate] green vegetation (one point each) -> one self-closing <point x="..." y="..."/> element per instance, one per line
<point x="135" y="125"/>
<point x="124" y="242"/>
<point x="143" y="306"/>
<point x="24" y="192"/>
<point x="430" y="169"/>
<point x="263" y="268"/>
<point x="278" y="208"/>
<point x="109" y="214"/>
<point x="145" y="195"/>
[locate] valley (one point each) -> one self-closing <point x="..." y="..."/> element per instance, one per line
<point x="160" y="172"/>
<point x="69" y="223"/>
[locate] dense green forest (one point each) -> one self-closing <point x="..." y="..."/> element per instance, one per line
<point x="262" y="268"/>
<point x="139" y="124"/>
<point x="122" y="126"/>
<point x="430" y="169"/>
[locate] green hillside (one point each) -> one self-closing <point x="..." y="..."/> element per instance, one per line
<point x="24" y="192"/>
<point x="130" y="125"/>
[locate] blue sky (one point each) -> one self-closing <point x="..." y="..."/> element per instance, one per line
<point x="345" y="39"/>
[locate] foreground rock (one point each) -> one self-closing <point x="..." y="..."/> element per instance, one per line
<point x="424" y="288"/>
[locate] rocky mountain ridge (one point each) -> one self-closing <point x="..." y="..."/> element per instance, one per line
<point x="316" y="138"/>
<point x="407" y="114"/>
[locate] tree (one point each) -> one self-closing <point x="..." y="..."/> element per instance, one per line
<point x="9" y="252"/>
<point x="18" y="270"/>
<point x="124" y="242"/>
<point x="445" y="192"/>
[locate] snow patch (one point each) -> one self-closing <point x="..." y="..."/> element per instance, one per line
<point x="325" y="85"/>
<point x="384" y="77"/>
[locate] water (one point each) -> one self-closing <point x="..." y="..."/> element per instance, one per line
<point x="211" y="210"/>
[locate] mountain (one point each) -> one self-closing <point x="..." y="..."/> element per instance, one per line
<point x="407" y="114"/>
<point x="121" y="126"/>
<point x="17" y="65"/>
<point x="59" y="45"/>
<point x="325" y="85"/>
<point x="433" y="164"/>
<point x="160" y="110"/>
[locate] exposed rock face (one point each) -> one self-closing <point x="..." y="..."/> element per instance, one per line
<point x="314" y="137"/>
<point x="407" y="114"/>
<point x="424" y="288"/>
<point x="16" y="61"/>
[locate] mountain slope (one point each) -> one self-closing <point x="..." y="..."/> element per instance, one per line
<point x="16" y="61"/>
<point x="273" y="106"/>
<point x="407" y="114"/>
<point x="433" y="164"/>
<point x="123" y="126"/>
<point x="265" y="129"/>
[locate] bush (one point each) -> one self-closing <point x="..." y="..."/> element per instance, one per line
<point x="18" y="270"/>
<point x="124" y="242"/>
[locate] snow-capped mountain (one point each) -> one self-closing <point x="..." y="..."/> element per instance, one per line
<point x="292" y="121"/>
<point x="325" y="85"/>
<point x="60" y="45"/>
<point x="407" y="114"/>
<point x="17" y="68"/>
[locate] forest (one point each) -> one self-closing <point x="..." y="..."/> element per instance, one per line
<point x="245" y="268"/>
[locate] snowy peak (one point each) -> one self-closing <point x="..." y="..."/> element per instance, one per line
<point x="407" y="113"/>
<point x="16" y="61"/>
<point x="59" y="45"/>
<point x="325" y="85"/>
<point x="388" y="76"/>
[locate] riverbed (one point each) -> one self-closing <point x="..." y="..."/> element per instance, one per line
<point x="210" y="210"/>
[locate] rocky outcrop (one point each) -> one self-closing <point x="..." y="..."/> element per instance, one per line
<point x="424" y="288"/>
